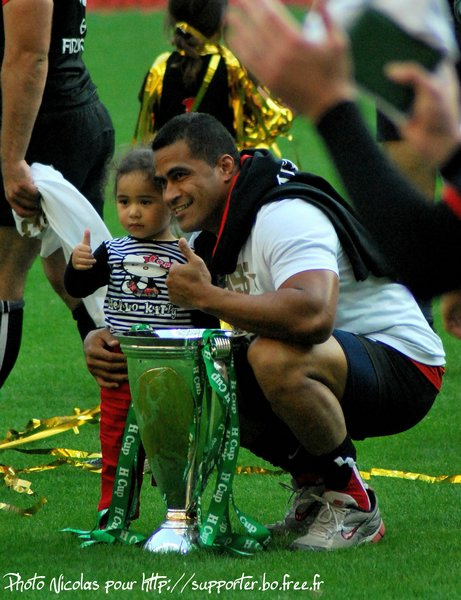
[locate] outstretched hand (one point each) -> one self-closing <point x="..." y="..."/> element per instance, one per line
<point x="433" y="128"/>
<point x="188" y="283"/>
<point x="310" y="76"/>
<point x="82" y="257"/>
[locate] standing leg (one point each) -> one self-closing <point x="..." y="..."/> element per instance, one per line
<point x="114" y="409"/>
<point x="115" y="404"/>
<point x="16" y="257"/>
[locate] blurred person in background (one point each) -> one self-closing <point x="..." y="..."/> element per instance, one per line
<point x="421" y="239"/>
<point x="201" y="74"/>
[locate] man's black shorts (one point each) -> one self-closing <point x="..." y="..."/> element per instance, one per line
<point x="385" y="392"/>
<point x="78" y="142"/>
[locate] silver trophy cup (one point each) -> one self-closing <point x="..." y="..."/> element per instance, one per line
<point x="166" y="375"/>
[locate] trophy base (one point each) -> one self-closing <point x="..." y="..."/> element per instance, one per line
<point x="178" y="533"/>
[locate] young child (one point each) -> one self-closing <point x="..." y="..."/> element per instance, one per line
<point x="202" y="75"/>
<point x="134" y="268"/>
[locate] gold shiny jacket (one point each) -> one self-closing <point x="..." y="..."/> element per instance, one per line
<point x="258" y="117"/>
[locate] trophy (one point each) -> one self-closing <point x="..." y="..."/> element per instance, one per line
<point x="177" y="428"/>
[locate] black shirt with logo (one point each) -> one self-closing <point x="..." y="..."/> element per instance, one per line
<point x="68" y="82"/>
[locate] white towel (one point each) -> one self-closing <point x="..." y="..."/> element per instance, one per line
<point x="66" y="213"/>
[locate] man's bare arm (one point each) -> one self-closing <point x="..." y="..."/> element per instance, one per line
<point x="302" y="310"/>
<point x="27" y="25"/>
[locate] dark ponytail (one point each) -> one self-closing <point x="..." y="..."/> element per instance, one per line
<point x="207" y="16"/>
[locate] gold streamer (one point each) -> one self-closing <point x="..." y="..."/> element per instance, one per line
<point x="258" y="471"/>
<point x="38" y="429"/>
<point x="59" y="463"/>
<point x="63" y="452"/>
<point x="21" y="486"/>
<point x="66" y="456"/>
<point x="374" y="472"/>
<point x="23" y="512"/>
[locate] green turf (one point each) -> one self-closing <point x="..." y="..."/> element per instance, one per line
<point x="418" y="558"/>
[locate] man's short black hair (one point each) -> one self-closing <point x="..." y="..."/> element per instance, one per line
<point x="205" y="136"/>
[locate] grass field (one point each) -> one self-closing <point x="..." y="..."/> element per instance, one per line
<point x="418" y="558"/>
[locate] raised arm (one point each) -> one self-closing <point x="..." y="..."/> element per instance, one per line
<point x="420" y="239"/>
<point x="309" y="76"/>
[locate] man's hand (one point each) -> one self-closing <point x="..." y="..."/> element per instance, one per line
<point x="20" y="190"/>
<point x="82" y="257"/>
<point x="310" y="76"/>
<point x="188" y="283"/>
<point x="106" y="366"/>
<point x="433" y="128"/>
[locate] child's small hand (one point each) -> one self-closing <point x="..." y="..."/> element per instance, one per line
<point x="82" y="257"/>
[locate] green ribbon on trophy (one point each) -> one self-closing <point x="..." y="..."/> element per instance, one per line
<point x="215" y="529"/>
<point x="113" y="523"/>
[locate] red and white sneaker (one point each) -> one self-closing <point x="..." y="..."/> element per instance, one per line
<point x="302" y="512"/>
<point x="341" y="524"/>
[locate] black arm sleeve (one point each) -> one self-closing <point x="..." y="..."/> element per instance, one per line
<point x="451" y="170"/>
<point x="80" y="284"/>
<point x="422" y="240"/>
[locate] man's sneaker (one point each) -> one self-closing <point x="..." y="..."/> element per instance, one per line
<point x="341" y="524"/>
<point x="303" y="510"/>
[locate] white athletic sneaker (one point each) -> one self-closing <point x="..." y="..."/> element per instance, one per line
<point x="303" y="510"/>
<point x="341" y="524"/>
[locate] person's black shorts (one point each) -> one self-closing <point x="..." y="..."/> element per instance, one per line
<point x="385" y="394"/>
<point x="78" y="142"/>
